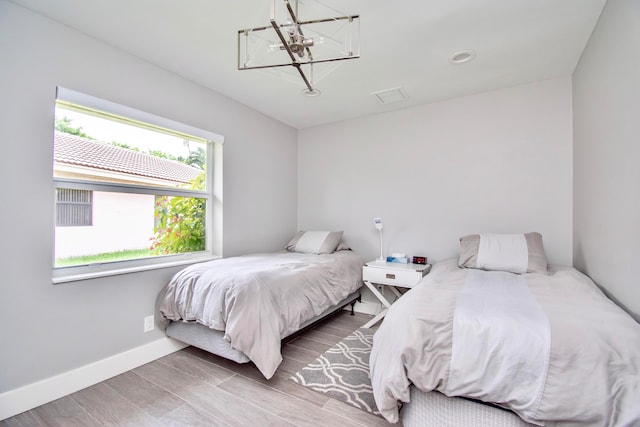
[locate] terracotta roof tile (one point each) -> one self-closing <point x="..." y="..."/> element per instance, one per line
<point x="75" y="150"/>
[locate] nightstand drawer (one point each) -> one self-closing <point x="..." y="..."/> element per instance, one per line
<point x="385" y="276"/>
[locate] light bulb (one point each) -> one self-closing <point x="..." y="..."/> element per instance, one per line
<point x="273" y="48"/>
<point x="290" y="28"/>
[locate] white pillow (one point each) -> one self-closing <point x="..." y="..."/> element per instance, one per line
<point x="315" y="242"/>
<point x="507" y="252"/>
<point x="515" y="253"/>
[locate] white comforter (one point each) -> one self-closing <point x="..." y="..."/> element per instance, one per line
<point x="555" y="351"/>
<point x="259" y="299"/>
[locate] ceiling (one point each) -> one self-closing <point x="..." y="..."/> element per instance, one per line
<point x="403" y="44"/>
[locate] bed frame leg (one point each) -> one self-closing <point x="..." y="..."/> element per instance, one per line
<point x="353" y="303"/>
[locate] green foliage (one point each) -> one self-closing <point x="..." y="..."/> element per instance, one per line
<point x="64" y="125"/>
<point x="162" y="154"/>
<point x="102" y="258"/>
<point x="196" y="158"/>
<point x="123" y="145"/>
<point x="180" y="222"/>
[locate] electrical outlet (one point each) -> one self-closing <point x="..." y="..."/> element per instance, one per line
<point x="149" y="324"/>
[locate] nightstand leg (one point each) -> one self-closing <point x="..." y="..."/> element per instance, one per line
<point x="376" y="319"/>
<point x="395" y="291"/>
<point x="382" y="299"/>
<point x="377" y="294"/>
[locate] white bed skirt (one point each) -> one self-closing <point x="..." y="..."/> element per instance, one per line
<point x="434" y="409"/>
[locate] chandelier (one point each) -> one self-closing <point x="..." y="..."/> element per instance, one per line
<point x="293" y="43"/>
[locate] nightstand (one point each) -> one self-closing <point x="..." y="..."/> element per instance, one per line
<point x="393" y="275"/>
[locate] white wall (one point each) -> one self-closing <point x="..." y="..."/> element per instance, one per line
<point x="121" y="221"/>
<point x="606" y="98"/>
<point x="50" y="329"/>
<point x="493" y="162"/>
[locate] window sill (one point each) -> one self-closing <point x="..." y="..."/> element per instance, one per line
<point x="128" y="270"/>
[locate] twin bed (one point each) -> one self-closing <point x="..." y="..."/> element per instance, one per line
<point x="498" y="326"/>
<point x="494" y="337"/>
<point x="242" y="307"/>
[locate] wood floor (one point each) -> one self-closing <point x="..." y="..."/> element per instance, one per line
<point x="195" y="388"/>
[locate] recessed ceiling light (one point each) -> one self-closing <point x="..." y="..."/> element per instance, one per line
<point x="462" y="56"/>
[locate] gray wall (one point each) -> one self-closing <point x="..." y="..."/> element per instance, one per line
<point x="494" y="162"/>
<point x="606" y="98"/>
<point x="49" y="329"/>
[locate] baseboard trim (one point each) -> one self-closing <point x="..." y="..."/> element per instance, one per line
<point x="22" y="399"/>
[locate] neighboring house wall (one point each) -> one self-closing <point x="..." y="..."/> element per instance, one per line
<point x="606" y="99"/>
<point x="109" y="232"/>
<point x="494" y="162"/>
<point x="120" y="221"/>
<point x="51" y="329"/>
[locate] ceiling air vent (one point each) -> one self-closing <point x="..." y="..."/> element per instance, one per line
<point x="389" y="96"/>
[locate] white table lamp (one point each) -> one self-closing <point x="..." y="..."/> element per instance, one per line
<point x="378" y="224"/>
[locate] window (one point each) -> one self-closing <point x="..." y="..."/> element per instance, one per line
<point x="133" y="190"/>
<point x="73" y="207"/>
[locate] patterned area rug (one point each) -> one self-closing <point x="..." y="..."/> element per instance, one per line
<point x="342" y="372"/>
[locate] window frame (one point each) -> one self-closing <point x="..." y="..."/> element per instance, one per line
<point x="212" y="194"/>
